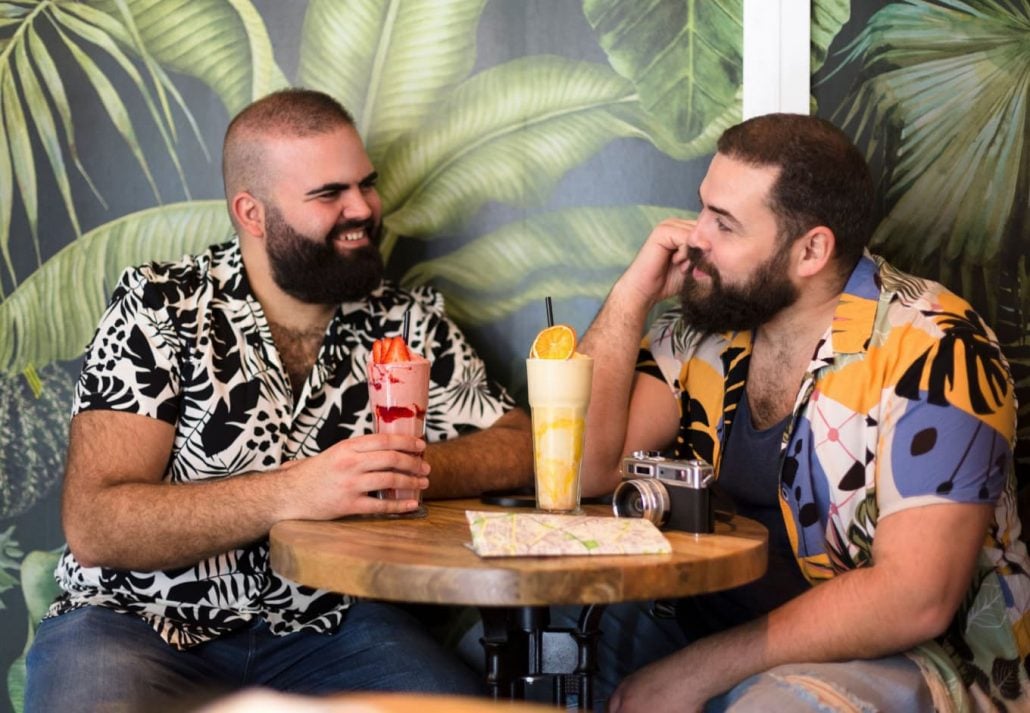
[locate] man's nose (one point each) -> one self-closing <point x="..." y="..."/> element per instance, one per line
<point x="356" y="206"/>
<point x="699" y="236"/>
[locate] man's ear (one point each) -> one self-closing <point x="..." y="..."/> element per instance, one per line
<point x="816" y="250"/>
<point x="249" y="213"/>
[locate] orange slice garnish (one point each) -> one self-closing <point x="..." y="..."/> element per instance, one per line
<point x="557" y="342"/>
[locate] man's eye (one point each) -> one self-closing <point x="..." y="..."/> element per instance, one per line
<point x="368" y="186"/>
<point x="721" y="225"/>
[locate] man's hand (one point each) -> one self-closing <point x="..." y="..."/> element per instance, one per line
<point x="662" y="687"/>
<point x="658" y="269"/>
<point x="339" y="480"/>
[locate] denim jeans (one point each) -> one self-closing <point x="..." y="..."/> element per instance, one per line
<point x="94" y="659"/>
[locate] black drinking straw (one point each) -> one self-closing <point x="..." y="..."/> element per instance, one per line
<point x="550" y="312"/>
<point x="404" y="328"/>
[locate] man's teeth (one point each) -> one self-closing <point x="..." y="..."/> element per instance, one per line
<point x="352" y="236"/>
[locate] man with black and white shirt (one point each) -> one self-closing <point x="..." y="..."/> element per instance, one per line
<point x="225" y="392"/>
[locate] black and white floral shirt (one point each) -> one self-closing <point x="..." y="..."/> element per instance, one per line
<point x="188" y="343"/>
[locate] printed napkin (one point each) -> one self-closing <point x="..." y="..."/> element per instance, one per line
<point x="510" y="534"/>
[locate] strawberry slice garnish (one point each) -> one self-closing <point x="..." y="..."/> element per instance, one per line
<point x="398" y="351"/>
<point x="390" y="349"/>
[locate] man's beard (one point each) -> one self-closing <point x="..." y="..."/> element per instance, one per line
<point x="313" y="271"/>
<point x="722" y="309"/>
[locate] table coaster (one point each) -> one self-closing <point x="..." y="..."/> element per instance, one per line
<point x="516" y="534"/>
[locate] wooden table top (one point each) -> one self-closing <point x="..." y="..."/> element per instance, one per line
<point x="427" y="560"/>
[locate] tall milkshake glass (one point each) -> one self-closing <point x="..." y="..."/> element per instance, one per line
<point x="559" y="393"/>
<point x="398" y="393"/>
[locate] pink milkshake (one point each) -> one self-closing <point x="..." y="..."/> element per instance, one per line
<point x="398" y="392"/>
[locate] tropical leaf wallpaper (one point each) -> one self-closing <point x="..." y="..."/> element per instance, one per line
<point x="525" y="147"/>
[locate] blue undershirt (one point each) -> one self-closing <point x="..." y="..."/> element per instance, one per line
<point x="749" y="476"/>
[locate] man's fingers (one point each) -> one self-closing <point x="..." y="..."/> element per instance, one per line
<point x="369" y="483"/>
<point x="384" y="442"/>
<point x="396" y="461"/>
<point x="386" y="480"/>
<point x="372" y="505"/>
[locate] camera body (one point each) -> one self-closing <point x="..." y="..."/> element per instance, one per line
<point x="673" y="494"/>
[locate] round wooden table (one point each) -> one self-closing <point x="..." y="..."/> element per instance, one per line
<point x="427" y="560"/>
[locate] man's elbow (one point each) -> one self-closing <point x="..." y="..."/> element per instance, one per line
<point x="83" y="537"/>
<point x="931" y="618"/>
<point x="939" y="618"/>
<point x="82" y="547"/>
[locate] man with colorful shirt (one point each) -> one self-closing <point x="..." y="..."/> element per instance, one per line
<point x="865" y="416"/>
<point x="227" y="391"/>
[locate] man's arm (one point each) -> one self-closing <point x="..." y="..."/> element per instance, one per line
<point x="117" y="512"/>
<point x="629" y="412"/>
<point x="497" y="457"/>
<point x="924" y="560"/>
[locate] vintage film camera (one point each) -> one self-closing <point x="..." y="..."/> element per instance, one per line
<point x="673" y="494"/>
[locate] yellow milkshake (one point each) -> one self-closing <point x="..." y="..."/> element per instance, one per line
<point x="559" y="393"/>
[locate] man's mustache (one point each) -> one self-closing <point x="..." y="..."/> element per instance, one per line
<point x="698" y="261"/>
<point x="339" y="229"/>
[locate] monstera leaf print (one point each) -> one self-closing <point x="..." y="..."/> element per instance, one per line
<point x="966" y="342"/>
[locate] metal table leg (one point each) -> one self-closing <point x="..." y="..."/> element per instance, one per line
<point x="528" y="659"/>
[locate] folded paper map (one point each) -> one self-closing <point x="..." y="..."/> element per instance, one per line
<point x="509" y="534"/>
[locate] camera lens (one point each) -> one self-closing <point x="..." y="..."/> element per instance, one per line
<point x="634" y="504"/>
<point x="646" y="498"/>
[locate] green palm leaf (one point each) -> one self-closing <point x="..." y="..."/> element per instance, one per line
<point x="576" y="252"/>
<point x="53" y="313"/>
<point x="223" y="43"/>
<point x="684" y="58"/>
<point x="507" y="134"/>
<point x="389" y="62"/>
<point x="97" y="28"/>
<point x="6" y="199"/>
<point x="46" y="129"/>
<point x="20" y="146"/>
<point x="954" y="99"/>
<point x="828" y="16"/>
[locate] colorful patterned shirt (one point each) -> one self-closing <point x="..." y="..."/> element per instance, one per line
<point x="188" y="343"/>
<point x="907" y="401"/>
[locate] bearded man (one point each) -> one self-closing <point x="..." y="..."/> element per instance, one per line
<point x="227" y="391"/>
<point x="864" y="416"/>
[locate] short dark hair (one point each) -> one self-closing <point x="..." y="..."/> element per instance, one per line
<point x="293" y="112"/>
<point x="823" y="180"/>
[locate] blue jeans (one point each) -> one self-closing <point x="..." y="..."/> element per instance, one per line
<point x="97" y="659"/>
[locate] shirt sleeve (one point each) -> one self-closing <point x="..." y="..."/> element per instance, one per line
<point x="131" y="365"/>
<point x="947" y="434"/>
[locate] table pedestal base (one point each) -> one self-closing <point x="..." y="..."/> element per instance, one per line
<point x="528" y="659"/>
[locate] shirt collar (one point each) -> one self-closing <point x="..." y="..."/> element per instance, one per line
<point x="855" y="314"/>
